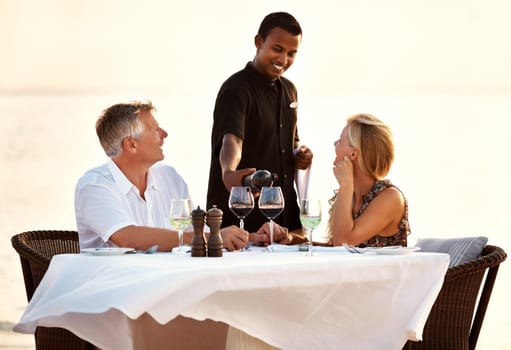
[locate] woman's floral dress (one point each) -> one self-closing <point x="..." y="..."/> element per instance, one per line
<point x="400" y="237"/>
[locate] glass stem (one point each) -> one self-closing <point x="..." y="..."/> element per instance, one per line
<point x="271" y="231"/>
<point x="242" y="224"/>
<point x="180" y="236"/>
<point x="309" y="251"/>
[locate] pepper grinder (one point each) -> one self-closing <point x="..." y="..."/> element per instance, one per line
<point x="214" y="220"/>
<point x="199" y="247"/>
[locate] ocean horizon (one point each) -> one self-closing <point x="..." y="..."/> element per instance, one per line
<point x="451" y="164"/>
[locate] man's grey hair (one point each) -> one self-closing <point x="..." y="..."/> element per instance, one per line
<point x="118" y="122"/>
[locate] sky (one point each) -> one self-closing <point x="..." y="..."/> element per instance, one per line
<point x="349" y="47"/>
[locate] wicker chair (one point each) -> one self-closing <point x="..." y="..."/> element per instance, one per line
<point x="449" y="325"/>
<point x="36" y="249"/>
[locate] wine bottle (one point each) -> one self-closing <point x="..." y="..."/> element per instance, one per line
<point x="259" y="179"/>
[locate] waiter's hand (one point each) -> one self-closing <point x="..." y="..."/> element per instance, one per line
<point x="234" y="178"/>
<point x="303" y="157"/>
<point x="229" y="158"/>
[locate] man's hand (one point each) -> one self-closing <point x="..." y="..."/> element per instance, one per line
<point x="234" y="238"/>
<point x="303" y="157"/>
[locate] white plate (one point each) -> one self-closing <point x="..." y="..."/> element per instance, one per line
<point x="395" y="250"/>
<point x="107" y="251"/>
<point x="298" y="248"/>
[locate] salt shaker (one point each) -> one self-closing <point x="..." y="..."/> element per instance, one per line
<point x="214" y="220"/>
<point x="199" y="247"/>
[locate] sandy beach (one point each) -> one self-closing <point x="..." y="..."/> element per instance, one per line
<point x="47" y="142"/>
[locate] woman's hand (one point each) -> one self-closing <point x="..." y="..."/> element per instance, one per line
<point x="343" y="171"/>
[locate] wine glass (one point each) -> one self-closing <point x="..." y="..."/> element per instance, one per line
<point x="310" y="217"/>
<point x="241" y="202"/>
<point x="180" y="218"/>
<point x="271" y="204"/>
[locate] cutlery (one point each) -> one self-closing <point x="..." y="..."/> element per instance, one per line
<point x="353" y="249"/>
<point x="149" y="250"/>
<point x="247" y="246"/>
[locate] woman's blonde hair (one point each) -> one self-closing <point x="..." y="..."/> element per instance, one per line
<point x="375" y="144"/>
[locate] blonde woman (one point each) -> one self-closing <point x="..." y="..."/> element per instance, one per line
<point x="367" y="210"/>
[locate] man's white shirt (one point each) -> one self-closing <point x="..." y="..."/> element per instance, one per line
<point x="106" y="201"/>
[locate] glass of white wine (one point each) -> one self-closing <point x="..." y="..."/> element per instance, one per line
<point x="180" y="218"/>
<point x="310" y="217"/>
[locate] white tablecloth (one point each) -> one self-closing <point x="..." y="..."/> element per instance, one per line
<point x="328" y="301"/>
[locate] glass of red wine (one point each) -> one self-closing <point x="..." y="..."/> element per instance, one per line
<point x="271" y="204"/>
<point x="241" y="202"/>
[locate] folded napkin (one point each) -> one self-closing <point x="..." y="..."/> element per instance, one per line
<point x="284" y="248"/>
<point x="302" y="183"/>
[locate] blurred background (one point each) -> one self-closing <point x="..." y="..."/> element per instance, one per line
<point x="436" y="71"/>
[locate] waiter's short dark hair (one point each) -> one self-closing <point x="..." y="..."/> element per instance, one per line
<point x="279" y="20"/>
